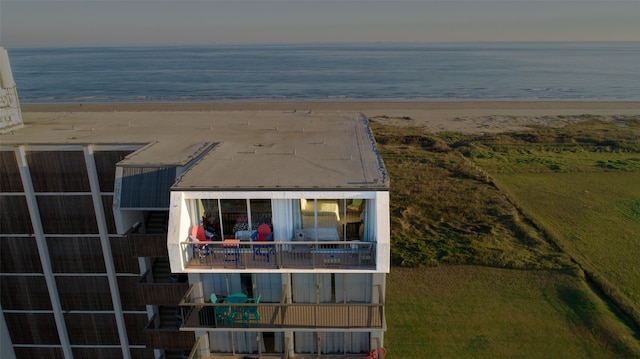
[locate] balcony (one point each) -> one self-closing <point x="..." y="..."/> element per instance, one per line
<point x="208" y="255"/>
<point x="164" y="333"/>
<point x="148" y="244"/>
<point x="159" y="286"/>
<point x="281" y="316"/>
<point x="200" y="351"/>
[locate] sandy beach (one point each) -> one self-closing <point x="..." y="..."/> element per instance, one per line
<point x="464" y="117"/>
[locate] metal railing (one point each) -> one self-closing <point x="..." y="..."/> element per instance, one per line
<point x="279" y="255"/>
<point x="280" y="316"/>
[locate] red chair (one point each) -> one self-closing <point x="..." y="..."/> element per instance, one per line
<point x="198" y="235"/>
<point x="264" y="235"/>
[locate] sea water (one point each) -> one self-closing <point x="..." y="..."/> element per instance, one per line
<point x="331" y="72"/>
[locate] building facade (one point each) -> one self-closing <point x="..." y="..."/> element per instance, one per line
<point x="176" y="234"/>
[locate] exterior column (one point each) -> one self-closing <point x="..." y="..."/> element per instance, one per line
<point x="43" y="251"/>
<point x="106" y="250"/>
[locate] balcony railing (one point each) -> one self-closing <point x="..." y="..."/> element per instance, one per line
<point x="281" y="316"/>
<point x="166" y="292"/>
<point x="279" y="255"/>
<point x="158" y="336"/>
<point x="146" y="244"/>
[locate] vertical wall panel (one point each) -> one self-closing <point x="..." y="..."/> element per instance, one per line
<point x="97" y="353"/>
<point x="137" y="353"/>
<point x="92" y="328"/>
<point x="32" y="328"/>
<point x="106" y="166"/>
<point x="76" y="255"/>
<point x="129" y="293"/>
<point x="135" y="326"/>
<point x="10" y="180"/>
<point x="58" y="171"/>
<point x="14" y="215"/>
<point x="24" y="293"/>
<point x="107" y="207"/>
<point x="42" y="352"/>
<point x="84" y="293"/>
<point x="67" y="214"/>
<point x="19" y="255"/>
<point x="123" y="260"/>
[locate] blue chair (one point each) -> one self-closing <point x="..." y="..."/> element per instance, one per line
<point x="231" y="248"/>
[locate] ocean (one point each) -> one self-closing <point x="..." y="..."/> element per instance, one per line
<point x="608" y="71"/>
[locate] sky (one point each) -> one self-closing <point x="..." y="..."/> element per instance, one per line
<point x="26" y="23"/>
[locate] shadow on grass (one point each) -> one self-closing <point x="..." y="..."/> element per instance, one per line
<point x="587" y="312"/>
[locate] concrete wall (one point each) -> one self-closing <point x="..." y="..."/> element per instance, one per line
<point x="10" y="115"/>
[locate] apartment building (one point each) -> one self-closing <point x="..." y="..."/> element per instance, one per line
<point x="177" y="234"/>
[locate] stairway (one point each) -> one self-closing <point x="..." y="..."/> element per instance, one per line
<point x="157" y="222"/>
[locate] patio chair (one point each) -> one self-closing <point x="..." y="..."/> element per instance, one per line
<point x="222" y="312"/>
<point x="231" y="249"/>
<point x="201" y="250"/>
<point x="374" y="354"/>
<point x="260" y="248"/>
<point x="252" y="312"/>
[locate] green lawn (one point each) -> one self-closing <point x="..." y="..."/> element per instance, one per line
<point x="480" y="312"/>
<point x="596" y="216"/>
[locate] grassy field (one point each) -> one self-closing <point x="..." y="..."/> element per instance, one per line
<point x="480" y="312"/>
<point x="595" y="216"/>
<point x="545" y="202"/>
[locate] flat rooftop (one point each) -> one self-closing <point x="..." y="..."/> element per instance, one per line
<point x="232" y="150"/>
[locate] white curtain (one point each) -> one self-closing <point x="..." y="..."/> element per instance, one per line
<point x="220" y="342"/>
<point x="286" y="218"/>
<point x="356" y="343"/>
<point x="353" y="287"/>
<point x="222" y="284"/>
<point x="278" y="345"/>
<point x="247" y="342"/>
<point x="332" y="343"/>
<point x="326" y="288"/>
<point x="269" y="286"/>
<point x="304" y="342"/>
<point x="196" y="210"/>
<point x="369" y="221"/>
<point x="243" y="342"/>
<point x="304" y="287"/>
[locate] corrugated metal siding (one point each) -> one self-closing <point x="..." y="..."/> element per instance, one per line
<point x="145" y="187"/>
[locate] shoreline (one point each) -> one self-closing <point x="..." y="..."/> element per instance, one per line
<point x="465" y="117"/>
